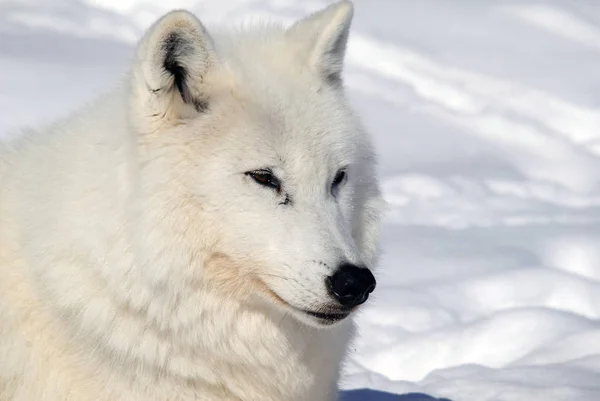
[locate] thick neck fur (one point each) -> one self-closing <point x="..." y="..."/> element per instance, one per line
<point x="115" y="289"/>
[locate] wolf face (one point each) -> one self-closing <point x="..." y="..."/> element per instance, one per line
<point x="254" y="157"/>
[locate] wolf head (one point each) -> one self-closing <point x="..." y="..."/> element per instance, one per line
<point x="253" y="164"/>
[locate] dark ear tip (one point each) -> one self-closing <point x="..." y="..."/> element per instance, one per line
<point x="334" y="79"/>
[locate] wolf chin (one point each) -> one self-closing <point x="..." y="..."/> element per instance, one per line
<point x="205" y="231"/>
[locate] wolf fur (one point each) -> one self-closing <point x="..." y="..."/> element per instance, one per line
<point x="139" y="258"/>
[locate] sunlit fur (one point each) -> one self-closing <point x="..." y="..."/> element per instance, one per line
<point x="138" y="261"/>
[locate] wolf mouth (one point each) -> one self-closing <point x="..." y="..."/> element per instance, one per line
<point x="330" y="317"/>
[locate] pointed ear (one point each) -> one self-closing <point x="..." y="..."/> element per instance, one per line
<point x="322" y="38"/>
<point x="173" y="60"/>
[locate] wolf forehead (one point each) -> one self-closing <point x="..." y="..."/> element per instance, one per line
<point x="261" y="76"/>
<point x="258" y="52"/>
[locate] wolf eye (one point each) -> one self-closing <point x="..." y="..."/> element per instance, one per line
<point x="340" y="177"/>
<point x="266" y="178"/>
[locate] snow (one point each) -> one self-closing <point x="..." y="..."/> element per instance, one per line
<point x="486" y="116"/>
<point x="376" y="395"/>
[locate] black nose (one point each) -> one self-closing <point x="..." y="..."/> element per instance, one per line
<point x="351" y="285"/>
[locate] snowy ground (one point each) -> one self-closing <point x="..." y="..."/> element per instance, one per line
<point x="487" y="118"/>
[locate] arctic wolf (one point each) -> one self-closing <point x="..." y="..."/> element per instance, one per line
<point x="204" y="232"/>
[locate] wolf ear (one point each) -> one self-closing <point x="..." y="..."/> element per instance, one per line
<point x="323" y="37"/>
<point x="173" y="60"/>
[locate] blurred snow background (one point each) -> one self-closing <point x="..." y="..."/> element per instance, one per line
<point x="486" y="115"/>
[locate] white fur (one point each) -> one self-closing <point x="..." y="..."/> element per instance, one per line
<point x="138" y="262"/>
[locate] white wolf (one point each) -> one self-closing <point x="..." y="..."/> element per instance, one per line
<point x="201" y="233"/>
